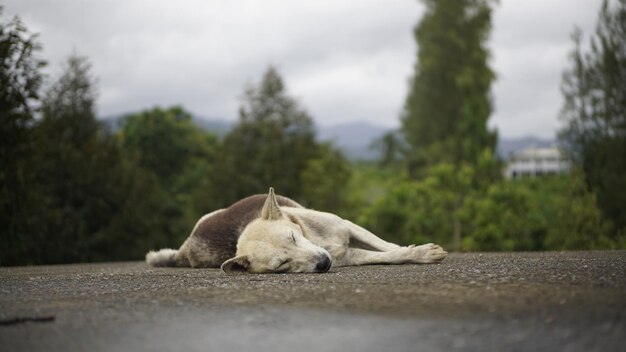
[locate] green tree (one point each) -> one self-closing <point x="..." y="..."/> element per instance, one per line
<point x="20" y="81"/>
<point x="165" y="142"/>
<point x="68" y="108"/>
<point x="179" y="157"/>
<point x="497" y="219"/>
<point x="552" y="213"/>
<point x="65" y="138"/>
<point x="92" y="204"/>
<point x="271" y="144"/>
<point x="594" y="88"/>
<point x="445" y="114"/>
<point x="579" y="223"/>
<point x="391" y="147"/>
<point x="420" y="211"/>
<point x="323" y="180"/>
<point x="446" y="111"/>
<point x="542" y="198"/>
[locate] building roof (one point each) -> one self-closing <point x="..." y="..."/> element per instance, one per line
<point x="538" y="153"/>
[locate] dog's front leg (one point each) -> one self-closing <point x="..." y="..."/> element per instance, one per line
<point x="428" y="253"/>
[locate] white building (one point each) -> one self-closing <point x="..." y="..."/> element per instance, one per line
<point x="534" y="161"/>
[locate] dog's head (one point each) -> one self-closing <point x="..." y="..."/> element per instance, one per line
<point x="274" y="244"/>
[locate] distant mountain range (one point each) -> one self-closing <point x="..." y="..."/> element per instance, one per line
<point x="508" y="146"/>
<point x="355" y="138"/>
<point x="217" y="126"/>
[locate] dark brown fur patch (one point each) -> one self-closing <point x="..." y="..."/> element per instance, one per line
<point x="221" y="231"/>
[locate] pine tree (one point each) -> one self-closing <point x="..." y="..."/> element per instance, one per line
<point x="68" y="161"/>
<point x="446" y="111"/>
<point x="271" y="144"/>
<point x="93" y="204"/>
<point x="20" y="81"/>
<point x="69" y="104"/>
<point x="594" y="88"/>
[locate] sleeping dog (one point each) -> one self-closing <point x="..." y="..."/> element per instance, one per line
<point x="274" y="234"/>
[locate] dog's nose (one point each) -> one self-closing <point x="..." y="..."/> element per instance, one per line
<point x="324" y="264"/>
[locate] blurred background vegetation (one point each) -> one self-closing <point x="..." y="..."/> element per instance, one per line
<point x="75" y="189"/>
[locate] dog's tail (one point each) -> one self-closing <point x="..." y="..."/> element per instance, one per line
<point x="163" y="257"/>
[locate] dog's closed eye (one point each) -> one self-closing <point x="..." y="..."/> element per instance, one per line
<point x="293" y="238"/>
<point x="283" y="264"/>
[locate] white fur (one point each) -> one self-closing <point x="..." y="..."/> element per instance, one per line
<point x="335" y="235"/>
<point x="163" y="257"/>
<point x="266" y="244"/>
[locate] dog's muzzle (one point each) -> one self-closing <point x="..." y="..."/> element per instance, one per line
<point x="324" y="264"/>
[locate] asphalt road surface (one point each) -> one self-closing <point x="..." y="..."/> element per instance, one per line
<point x="572" y="301"/>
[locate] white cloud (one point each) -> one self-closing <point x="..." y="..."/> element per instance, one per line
<point x="530" y="45"/>
<point x="344" y="60"/>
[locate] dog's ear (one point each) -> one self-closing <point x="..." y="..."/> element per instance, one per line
<point x="271" y="210"/>
<point x="236" y="264"/>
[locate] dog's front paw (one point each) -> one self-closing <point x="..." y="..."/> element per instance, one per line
<point x="428" y="253"/>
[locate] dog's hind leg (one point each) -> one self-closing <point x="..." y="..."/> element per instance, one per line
<point x="428" y="253"/>
<point x="361" y="238"/>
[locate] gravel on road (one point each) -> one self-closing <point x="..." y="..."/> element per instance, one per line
<point x="573" y="301"/>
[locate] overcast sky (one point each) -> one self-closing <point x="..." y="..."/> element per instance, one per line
<point x="343" y="60"/>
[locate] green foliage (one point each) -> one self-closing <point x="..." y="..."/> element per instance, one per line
<point x="69" y="159"/>
<point x="164" y="142"/>
<point x="274" y="145"/>
<point x="68" y="107"/>
<point x="446" y="111"/>
<point x="324" y="179"/>
<point x="497" y="219"/>
<point x="418" y="211"/>
<point x="548" y="213"/>
<point x="20" y="81"/>
<point x="179" y="157"/>
<point x="367" y="183"/>
<point x="594" y="88"/>
<point x="81" y="200"/>
<point x="579" y="224"/>
<point x="85" y="189"/>
<point x="392" y="149"/>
